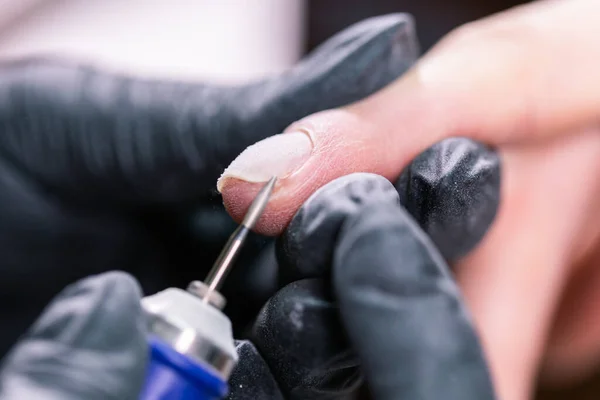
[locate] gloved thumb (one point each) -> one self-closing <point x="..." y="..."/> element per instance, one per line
<point x="403" y="312"/>
<point x="131" y="141"/>
<point x="88" y="344"/>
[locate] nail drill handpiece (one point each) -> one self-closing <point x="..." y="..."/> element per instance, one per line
<point x="191" y="340"/>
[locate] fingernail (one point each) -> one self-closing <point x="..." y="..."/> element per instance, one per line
<point x="280" y="155"/>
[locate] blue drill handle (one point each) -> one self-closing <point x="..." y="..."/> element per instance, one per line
<point x="174" y="376"/>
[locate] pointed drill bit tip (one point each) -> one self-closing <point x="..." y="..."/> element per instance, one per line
<point x="259" y="204"/>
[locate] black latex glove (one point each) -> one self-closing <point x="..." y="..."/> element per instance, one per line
<point x="366" y="291"/>
<point x="397" y="301"/>
<point x="90" y="343"/>
<point x="100" y="171"/>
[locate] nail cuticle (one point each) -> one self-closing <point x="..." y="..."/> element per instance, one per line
<point x="305" y="130"/>
<point x="310" y="154"/>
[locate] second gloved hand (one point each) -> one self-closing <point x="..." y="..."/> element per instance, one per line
<point x="90" y="343"/>
<point x="366" y="290"/>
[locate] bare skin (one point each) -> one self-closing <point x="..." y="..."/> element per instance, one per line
<point x="528" y="82"/>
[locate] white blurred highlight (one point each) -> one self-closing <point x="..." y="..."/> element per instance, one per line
<point x="227" y="41"/>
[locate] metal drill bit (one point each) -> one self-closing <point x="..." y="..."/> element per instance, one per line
<point x="221" y="267"/>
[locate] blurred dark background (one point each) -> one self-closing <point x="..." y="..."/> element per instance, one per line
<point x="434" y="18"/>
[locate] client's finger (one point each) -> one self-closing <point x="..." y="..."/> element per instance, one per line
<point x="526" y="73"/>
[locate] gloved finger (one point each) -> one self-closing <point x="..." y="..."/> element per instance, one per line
<point x="252" y="378"/>
<point x="302" y="251"/>
<point x="451" y="189"/>
<point x="403" y="312"/>
<point x="88" y="344"/>
<point x="130" y="140"/>
<point x="298" y="332"/>
<point x="299" y="335"/>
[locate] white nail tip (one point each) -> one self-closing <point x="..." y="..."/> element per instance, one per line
<point x="278" y="155"/>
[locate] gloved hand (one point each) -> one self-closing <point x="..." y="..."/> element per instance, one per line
<point x="394" y="314"/>
<point x="101" y="171"/>
<point x="89" y="344"/>
<point x="366" y="289"/>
